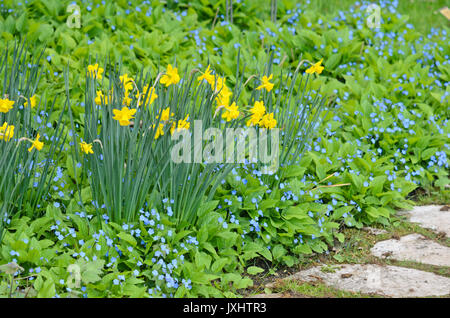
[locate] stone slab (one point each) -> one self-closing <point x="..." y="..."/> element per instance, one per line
<point x="433" y="217"/>
<point x="413" y="247"/>
<point x="389" y="281"/>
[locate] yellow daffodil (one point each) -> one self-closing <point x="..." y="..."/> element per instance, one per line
<point x="127" y="99"/>
<point x="165" y="116"/>
<point x="127" y="82"/>
<point x="265" y="83"/>
<point x="86" y="148"/>
<point x="124" y="115"/>
<point x="150" y="92"/>
<point x="95" y="71"/>
<point x="99" y="97"/>
<point x="36" y="144"/>
<point x="268" y="121"/>
<point x="159" y="131"/>
<point x="6" y="132"/>
<point x="258" y="112"/>
<point x="258" y="109"/>
<point x="171" y="76"/>
<point x="6" y="105"/>
<point x="218" y="84"/>
<point x="223" y="98"/>
<point x="206" y="76"/>
<point x="231" y="112"/>
<point x="32" y="102"/>
<point x="182" y="124"/>
<point x="315" y="68"/>
<point x="254" y="120"/>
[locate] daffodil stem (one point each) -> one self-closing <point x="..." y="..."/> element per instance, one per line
<point x="157" y="78"/>
<point x="218" y="109"/>
<point x="195" y="70"/>
<point x="300" y="64"/>
<point x="249" y="79"/>
<point x="99" y="142"/>
<point x="22" y="139"/>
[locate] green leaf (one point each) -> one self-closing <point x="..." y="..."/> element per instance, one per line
<point x="295" y="212"/>
<point x="127" y="238"/>
<point x="47" y="290"/>
<point x="340" y="237"/>
<point x="253" y="270"/>
<point x="207" y="207"/>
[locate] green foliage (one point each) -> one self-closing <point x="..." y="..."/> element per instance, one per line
<point x="383" y="136"/>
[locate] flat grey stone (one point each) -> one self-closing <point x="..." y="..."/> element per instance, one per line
<point x="430" y="217"/>
<point x="390" y="281"/>
<point x="413" y="247"/>
<point x="374" y="231"/>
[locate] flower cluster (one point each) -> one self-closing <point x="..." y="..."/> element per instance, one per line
<point x="223" y="92"/>
<point x="7" y="130"/>
<point x="260" y="117"/>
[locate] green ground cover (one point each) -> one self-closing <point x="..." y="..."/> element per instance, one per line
<point x="76" y="231"/>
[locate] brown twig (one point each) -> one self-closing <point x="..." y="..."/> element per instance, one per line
<point x="215" y="18"/>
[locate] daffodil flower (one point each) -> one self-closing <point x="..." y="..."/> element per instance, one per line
<point x="258" y="109"/>
<point x="95" y="71"/>
<point x="218" y="84"/>
<point x="127" y="99"/>
<point x="254" y="120"/>
<point x="159" y="130"/>
<point x="99" y="97"/>
<point x="231" y="112"/>
<point x="206" y="76"/>
<point x="150" y="92"/>
<point x="6" y="105"/>
<point x="127" y="82"/>
<point x="32" y="102"/>
<point x="165" y="116"/>
<point x="171" y="76"/>
<point x="266" y="83"/>
<point x="182" y="124"/>
<point x="6" y="132"/>
<point x="36" y="144"/>
<point x="223" y="98"/>
<point x="258" y="112"/>
<point x="86" y="148"/>
<point x="315" y="68"/>
<point x="268" y="121"/>
<point x="124" y="115"/>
